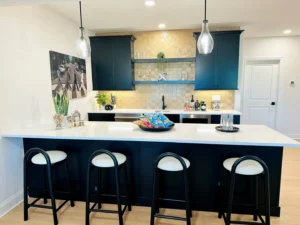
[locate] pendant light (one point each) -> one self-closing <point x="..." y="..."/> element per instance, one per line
<point x="205" y="42"/>
<point x="82" y="46"/>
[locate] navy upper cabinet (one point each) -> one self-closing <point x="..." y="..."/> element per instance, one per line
<point x="111" y="62"/>
<point x="219" y="69"/>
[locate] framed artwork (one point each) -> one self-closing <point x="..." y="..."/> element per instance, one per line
<point x="68" y="74"/>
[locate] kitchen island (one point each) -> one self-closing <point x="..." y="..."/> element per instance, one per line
<point x="205" y="147"/>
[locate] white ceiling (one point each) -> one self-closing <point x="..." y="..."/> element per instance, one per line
<point x="258" y="17"/>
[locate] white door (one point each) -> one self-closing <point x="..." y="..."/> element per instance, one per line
<point x="260" y="92"/>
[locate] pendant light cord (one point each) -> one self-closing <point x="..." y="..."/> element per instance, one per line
<point x="80" y="14"/>
<point x="205" y="10"/>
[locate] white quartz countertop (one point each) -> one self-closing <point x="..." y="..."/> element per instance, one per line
<point x="249" y="135"/>
<point x="168" y="111"/>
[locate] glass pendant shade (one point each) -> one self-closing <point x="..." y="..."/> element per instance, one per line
<point x="205" y="43"/>
<point x="83" y="48"/>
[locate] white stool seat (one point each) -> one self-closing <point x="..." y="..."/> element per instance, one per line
<point x="54" y="155"/>
<point x="247" y="167"/>
<point x="170" y="163"/>
<point x="105" y="161"/>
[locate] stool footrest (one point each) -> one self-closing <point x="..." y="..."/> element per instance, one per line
<point x="171" y="200"/>
<point x="92" y="209"/>
<point x="62" y="205"/>
<point x="246" y="223"/>
<point x="108" y="195"/>
<point x="45" y="206"/>
<point x="169" y="217"/>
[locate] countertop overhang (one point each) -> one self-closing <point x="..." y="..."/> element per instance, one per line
<point x="249" y="135"/>
<point x="168" y="111"/>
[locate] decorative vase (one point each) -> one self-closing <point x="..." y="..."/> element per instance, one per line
<point x="58" y="119"/>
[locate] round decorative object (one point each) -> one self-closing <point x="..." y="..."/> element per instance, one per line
<point x="234" y="129"/>
<point x="109" y="107"/>
<point x="157" y="129"/>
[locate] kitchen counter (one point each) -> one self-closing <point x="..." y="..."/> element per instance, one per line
<point x="201" y="144"/>
<point x="168" y="111"/>
<point x="254" y="135"/>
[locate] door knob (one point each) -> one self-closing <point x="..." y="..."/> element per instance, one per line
<point x="273" y="103"/>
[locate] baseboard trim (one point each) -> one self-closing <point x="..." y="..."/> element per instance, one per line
<point x="11" y="203"/>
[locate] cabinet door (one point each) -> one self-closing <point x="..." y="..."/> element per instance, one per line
<point x="123" y="75"/>
<point x="205" y="78"/>
<point x="102" y="64"/>
<point x="227" y="61"/>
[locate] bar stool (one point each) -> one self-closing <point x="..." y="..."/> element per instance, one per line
<point x="106" y="159"/>
<point x="170" y="162"/>
<point x="47" y="159"/>
<point x="247" y="166"/>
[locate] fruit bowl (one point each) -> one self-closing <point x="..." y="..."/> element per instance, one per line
<point x="157" y="129"/>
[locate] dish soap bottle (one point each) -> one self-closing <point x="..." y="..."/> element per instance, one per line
<point x="197" y="106"/>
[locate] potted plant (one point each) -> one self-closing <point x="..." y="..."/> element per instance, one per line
<point x="61" y="105"/>
<point x="101" y="100"/>
<point x="161" y="59"/>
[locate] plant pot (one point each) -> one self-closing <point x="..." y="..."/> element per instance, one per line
<point x="58" y="120"/>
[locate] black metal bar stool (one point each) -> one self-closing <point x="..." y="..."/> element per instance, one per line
<point x="247" y="166"/>
<point x="170" y="162"/>
<point x="106" y="159"/>
<point x="47" y="159"/>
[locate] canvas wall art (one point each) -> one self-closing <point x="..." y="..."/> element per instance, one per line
<point x="68" y="74"/>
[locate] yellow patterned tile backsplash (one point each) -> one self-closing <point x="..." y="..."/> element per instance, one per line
<point x="174" y="44"/>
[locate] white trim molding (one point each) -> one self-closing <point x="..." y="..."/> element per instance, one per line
<point x="247" y="61"/>
<point x="11" y="203"/>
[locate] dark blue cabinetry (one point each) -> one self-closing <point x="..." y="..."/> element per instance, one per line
<point x="112" y="67"/>
<point x="219" y="70"/>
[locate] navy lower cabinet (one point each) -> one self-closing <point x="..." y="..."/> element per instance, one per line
<point x="112" y="67"/>
<point x="216" y="119"/>
<point x="106" y="117"/>
<point x="219" y="69"/>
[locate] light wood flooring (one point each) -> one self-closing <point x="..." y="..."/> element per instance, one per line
<point x="290" y="206"/>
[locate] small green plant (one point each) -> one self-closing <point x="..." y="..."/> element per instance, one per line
<point x="161" y="59"/>
<point x="101" y="99"/>
<point x="61" y="104"/>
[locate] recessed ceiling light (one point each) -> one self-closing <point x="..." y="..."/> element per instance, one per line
<point x="149" y="3"/>
<point x="287" y="31"/>
<point x="162" y="25"/>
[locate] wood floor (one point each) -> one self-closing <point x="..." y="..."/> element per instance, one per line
<point x="290" y="206"/>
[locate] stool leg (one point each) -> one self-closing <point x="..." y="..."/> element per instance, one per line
<point x="45" y="185"/>
<point x="118" y="196"/>
<point x="25" y="180"/>
<point x="256" y="198"/>
<point x="267" y="197"/>
<point x="87" y="196"/>
<point x="99" y="185"/>
<point x="187" y="197"/>
<point x="230" y="200"/>
<point x="159" y="178"/>
<point x="154" y="196"/>
<point x="127" y="184"/>
<point x="221" y="194"/>
<point x="69" y="184"/>
<point x="53" y="204"/>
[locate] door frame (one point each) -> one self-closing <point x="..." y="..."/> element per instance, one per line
<point x="248" y="61"/>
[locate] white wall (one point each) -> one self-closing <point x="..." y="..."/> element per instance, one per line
<point x="27" y="35"/>
<point x="289" y="96"/>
